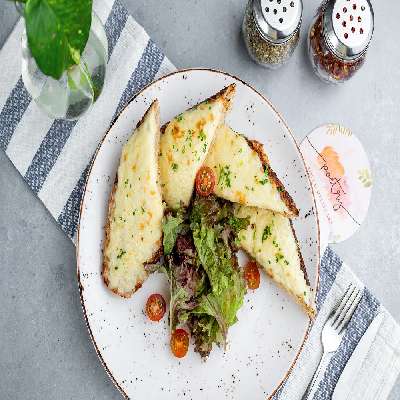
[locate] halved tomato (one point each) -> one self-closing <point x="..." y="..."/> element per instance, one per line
<point x="252" y="275"/>
<point x="205" y="181"/>
<point x="155" y="307"/>
<point x="179" y="343"/>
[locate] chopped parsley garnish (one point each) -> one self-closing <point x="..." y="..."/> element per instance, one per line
<point x="143" y="210"/>
<point x="278" y="257"/>
<point x="264" y="179"/>
<point x="266" y="233"/>
<point x="202" y="135"/>
<point x="179" y="118"/>
<point x="126" y="182"/>
<point x="280" y="189"/>
<point x="205" y="147"/>
<point x="189" y="137"/>
<point x="134" y="212"/>
<point x="224" y="178"/>
<point x="121" y="253"/>
<point x="174" y="166"/>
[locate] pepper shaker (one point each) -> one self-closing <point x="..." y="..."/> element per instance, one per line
<point x="339" y="37"/>
<point x="271" y="30"/>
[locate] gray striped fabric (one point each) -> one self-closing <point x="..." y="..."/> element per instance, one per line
<point x="54" y="158"/>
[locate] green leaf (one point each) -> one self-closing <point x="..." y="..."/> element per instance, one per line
<point x="57" y="32"/>
<point x="224" y="305"/>
<point x="171" y="227"/>
<point x="216" y="260"/>
<point x="237" y="224"/>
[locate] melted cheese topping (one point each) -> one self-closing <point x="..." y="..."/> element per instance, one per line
<point x="183" y="148"/>
<point x="135" y="218"/>
<point x="240" y="174"/>
<point x="269" y="239"/>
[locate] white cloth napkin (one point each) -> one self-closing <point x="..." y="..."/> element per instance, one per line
<point x="53" y="156"/>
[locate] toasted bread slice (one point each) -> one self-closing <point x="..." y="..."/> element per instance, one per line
<point x="244" y="175"/>
<point x="271" y="240"/>
<point x="133" y="231"/>
<point x="185" y="143"/>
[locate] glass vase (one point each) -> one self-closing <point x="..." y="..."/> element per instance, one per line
<point x="73" y="94"/>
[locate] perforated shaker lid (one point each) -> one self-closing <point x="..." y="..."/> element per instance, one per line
<point x="340" y="174"/>
<point x="277" y="20"/>
<point x="348" y="27"/>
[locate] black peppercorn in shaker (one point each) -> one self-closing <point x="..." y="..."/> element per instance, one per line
<point x="271" y="30"/>
<point x="339" y="38"/>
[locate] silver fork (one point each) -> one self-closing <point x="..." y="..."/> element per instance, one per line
<point x="333" y="331"/>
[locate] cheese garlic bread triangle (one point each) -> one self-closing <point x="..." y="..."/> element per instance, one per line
<point x="133" y="232"/>
<point x="244" y="175"/>
<point x="270" y="239"/>
<point x="185" y="143"/>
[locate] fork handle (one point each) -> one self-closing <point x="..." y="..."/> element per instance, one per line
<point x="312" y="387"/>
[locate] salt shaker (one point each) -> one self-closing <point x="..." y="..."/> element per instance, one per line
<point x="271" y="30"/>
<point x="339" y="38"/>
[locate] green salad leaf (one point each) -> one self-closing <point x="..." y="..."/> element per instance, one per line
<point x="171" y="227"/>
<point x="57" y="32"/>
<point x="205" y="331"/>
<point x="214" y="257"/>
<point x="224" y="306"/>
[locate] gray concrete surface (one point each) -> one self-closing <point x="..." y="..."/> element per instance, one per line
<point x="45" y="351"/>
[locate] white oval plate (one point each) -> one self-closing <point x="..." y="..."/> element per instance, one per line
<point x="265" y="342"/>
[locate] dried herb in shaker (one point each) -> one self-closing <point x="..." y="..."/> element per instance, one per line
<point x="271" y="30"/>
<point x="339" y="37"/>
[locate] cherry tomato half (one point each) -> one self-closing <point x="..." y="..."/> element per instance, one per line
<point x="205" y="181"/>
<point x="179" y="343"/>
<point x="252" y="275"/>
<point x="155" y="307"/>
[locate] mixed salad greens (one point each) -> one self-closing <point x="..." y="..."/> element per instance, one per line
<point x="207" y="286"/>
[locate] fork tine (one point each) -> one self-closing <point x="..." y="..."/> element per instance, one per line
<point x="350" y="312"/>
<point x="339" y="308"/>
<point x="345" y="308"/>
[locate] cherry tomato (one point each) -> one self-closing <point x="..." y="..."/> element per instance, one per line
<point x="252" y="275"/>
<point x="205" y="181"/>
<point x="155" y="307"/>
<point x="179" y="343"/>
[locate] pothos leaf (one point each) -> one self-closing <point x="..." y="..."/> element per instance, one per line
<point x="57" y="32"/>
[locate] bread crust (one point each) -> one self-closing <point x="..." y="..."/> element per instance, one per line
<point x="111" y="206"/>
<point x="285" y="196"/>
<point x="226" y="95"/>
<point x="308" y="308"/>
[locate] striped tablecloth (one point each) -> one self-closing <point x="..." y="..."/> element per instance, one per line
<point x="53" y="157"/>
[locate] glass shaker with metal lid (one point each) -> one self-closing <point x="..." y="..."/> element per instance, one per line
<point x="339" y="38"/>
<point x="271" y="30"/>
